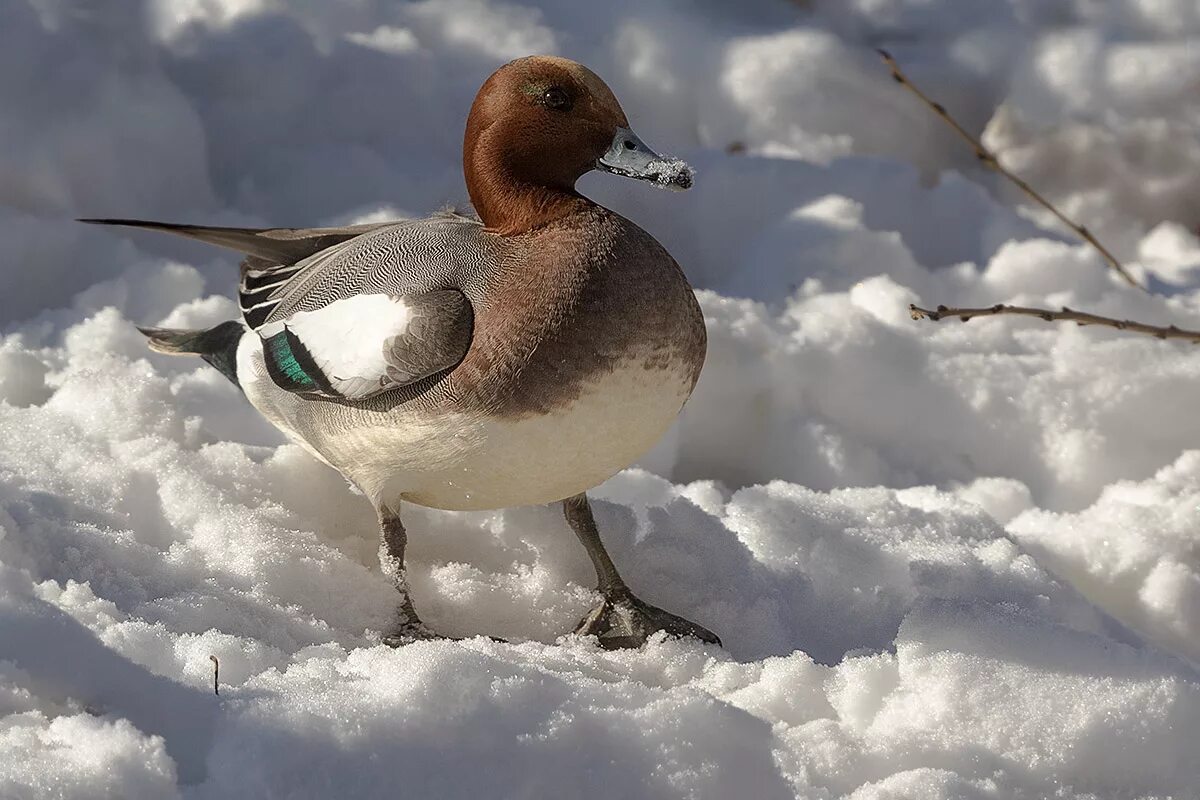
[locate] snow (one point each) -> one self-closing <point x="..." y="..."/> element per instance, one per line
<point x="946" y="560"/>
<point x="672" y="173"/>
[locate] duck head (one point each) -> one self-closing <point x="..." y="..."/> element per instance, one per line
<point x="536" y="126"/>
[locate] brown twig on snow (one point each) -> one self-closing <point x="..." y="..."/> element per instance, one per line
<point x="1065" y="315"/>
<point x="216" y="674"/>
<point x="989" y="160"/>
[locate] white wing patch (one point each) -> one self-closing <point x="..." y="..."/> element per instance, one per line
<point x="347" y="339"/>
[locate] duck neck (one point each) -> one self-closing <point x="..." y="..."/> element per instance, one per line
<point x="508" y="203"/>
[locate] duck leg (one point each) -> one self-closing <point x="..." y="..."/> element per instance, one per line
<point x="408" y="627"/>
<point x="620" y="619"/>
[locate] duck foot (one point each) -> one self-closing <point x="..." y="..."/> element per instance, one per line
<point x="621" y="620"/>
<point x="408" y="632"/>
<point x="403" y="633"/>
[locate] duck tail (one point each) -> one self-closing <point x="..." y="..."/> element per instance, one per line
<point x="218" y="346"/>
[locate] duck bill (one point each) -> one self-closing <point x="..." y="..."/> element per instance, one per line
<point x="629" y="156"/>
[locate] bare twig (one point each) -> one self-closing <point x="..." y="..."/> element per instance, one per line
<point x="989" y="160"/>
<point x="216" y="674"/>
<point x="1065" y="315"/>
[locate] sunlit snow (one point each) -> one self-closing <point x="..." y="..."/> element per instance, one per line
<point x="947" y="560"/>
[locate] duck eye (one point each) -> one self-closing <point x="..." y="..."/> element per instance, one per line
<point x="557" y="99"/>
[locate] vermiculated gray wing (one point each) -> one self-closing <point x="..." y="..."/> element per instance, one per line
<point x="369" y="314"/>
<point x="398" y="259"/>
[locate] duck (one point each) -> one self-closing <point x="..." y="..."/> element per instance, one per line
<point x="520" y="355"/>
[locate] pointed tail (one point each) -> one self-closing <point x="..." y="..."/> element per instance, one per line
<point x="218" y="346"/>
<point x="273" y="245"/>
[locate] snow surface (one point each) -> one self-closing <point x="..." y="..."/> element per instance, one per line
<point x="948" y="561"/>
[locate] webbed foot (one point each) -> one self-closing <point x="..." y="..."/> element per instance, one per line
<point x="621" y="620"/>
<point x="406" y="632"/>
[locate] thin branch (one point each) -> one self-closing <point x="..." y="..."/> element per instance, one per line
<point x="1066" y="315"/>
<point x="216" y="674"/>
<point x="989" y="160"/>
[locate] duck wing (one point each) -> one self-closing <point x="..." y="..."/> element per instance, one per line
<point x="372" y="313"/>
<point x="349" y="313"/>
<point x="360" y="346"/>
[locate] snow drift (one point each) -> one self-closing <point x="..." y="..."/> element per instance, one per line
<point x="947" y="561"/>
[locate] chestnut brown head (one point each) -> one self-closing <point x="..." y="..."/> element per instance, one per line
<point x="541" y="122"/>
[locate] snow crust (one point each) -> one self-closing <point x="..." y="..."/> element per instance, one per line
<point x="947" y="561"/>
<point x="672" y="173"/>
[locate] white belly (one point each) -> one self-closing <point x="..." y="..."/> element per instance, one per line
<point x="462" y="461"/>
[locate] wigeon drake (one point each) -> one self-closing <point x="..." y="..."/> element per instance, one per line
<point x="520" y="358"/>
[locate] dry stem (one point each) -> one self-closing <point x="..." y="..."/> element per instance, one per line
<point x="988" y="159"/>
<point x="1065" y="315"/>
<point x="216" y="674"/>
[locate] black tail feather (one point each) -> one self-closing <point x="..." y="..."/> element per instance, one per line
<point x="218" y="346"/>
